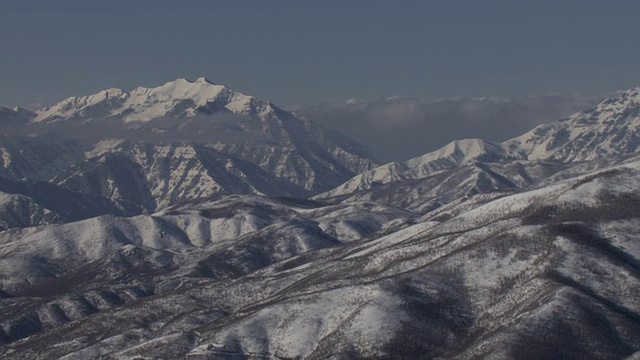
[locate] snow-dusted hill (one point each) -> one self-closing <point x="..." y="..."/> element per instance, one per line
<point x="551" y="272"/>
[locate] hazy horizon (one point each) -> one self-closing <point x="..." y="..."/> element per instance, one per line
<point x="292" y="52"/>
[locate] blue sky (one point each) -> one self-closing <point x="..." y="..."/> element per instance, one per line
<point x="319" y="51"/>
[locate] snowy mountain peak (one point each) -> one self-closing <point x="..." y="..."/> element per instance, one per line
<point x="461" y="150"/>
<point x="178" y="98"/>
<point x="188" y="139"/>
<point x="456" y="153"/>
<point x="204" y="80"/>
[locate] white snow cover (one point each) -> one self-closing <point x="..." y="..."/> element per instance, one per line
<point x="491" y="272"/>
<point x="610" y="128"/>
<point x="456" y="153"/>
<point x="145" y="104"/>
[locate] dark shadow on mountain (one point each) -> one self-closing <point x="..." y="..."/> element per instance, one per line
<point x="104" y="175"/>
<point x="66" y="205"/>
<point x="583" y="328"/>
<point x="438" y="315"/>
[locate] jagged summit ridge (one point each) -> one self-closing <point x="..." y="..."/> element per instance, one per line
<point x="178" y="98"/>
<point x="456" y="153"/>
<point x="203" y="80"/>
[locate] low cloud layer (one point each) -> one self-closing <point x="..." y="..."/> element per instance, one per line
<point x="223" y="128"/>
<point x="401" y="128"/>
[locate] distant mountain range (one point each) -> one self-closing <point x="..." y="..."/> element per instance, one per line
<point x="602" y="134"/>
<point x="400" y="128"/>
<point x="277" y="238"/>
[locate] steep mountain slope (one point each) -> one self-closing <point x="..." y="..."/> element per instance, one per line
<point x="610" y="128"/>
<point x="551" y="272"/>
<point x="38" y="158"/>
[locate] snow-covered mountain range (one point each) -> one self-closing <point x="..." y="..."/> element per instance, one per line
<point x="608" y="129"/>
<point x="523" y="249"/>
<point x="493" y="275"/>
<point x="177" y="142"/>
<point x="606" y="132"/>
<point x="179" y="98"/>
